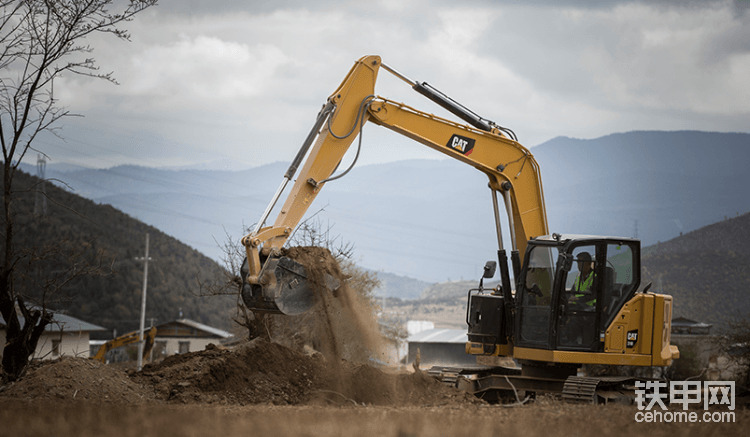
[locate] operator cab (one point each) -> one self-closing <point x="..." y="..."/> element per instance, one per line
<point x="570" y="289"/>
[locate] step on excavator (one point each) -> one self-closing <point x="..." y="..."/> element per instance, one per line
<point x="573" y="300"/>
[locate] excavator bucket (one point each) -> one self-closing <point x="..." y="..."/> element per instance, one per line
<point x="285" y="288"/>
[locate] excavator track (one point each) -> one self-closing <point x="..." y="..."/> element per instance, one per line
<point x="449" y="375"/>
<point x="599" y="390"/>
<point x="580" y="389"/>
<point x="497" y="383"/>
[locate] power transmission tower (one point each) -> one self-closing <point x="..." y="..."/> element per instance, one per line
<point x="40" y="201"/>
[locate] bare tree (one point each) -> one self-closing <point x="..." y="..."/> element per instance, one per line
<point x="312" y="232"/>
<point x="227" y="280"/>
<point x="303" y="329"/>
<point x="734" y="345"/>
<point x="40" y="40"/>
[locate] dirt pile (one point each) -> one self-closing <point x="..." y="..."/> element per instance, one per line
<point x="263" y="372"/>
<point x="256" y="373"/>
<point x="77" y="379"/>
<point x="259" y="372"/>
<point x="366" y="385"/>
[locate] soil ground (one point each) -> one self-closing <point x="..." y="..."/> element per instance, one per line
<point x="85" y="418"/>
<point x="267" y="388"/>
<point x="264" y="388"/>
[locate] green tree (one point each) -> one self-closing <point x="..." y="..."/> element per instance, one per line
<point x="41" y="40"/>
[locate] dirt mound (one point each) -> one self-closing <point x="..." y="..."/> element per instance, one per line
<point x="370" y="386"/>
<point x="256" y="373"/>
<point x="77" y="379"/>
<point x="263" y="372"/>
<point x="259" y="372"/>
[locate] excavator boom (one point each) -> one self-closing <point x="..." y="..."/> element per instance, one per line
<point x="511" y="169"/>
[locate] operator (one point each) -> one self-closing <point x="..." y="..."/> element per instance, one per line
<point x="583" y="286"/>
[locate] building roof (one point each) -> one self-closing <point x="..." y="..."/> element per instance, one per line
<point x="439" y="336"/>
<point x="62" y="323"/>
<point x="685" y="322"/>
<point x="200" y="326"/>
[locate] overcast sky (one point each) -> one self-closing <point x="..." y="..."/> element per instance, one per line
<point x="238" y="83"/>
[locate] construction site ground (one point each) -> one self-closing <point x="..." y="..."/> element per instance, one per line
<point x="287" y="387"/>
<point x="267" y="389"/>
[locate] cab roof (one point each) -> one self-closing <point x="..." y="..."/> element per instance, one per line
<point x="567" y="238"/>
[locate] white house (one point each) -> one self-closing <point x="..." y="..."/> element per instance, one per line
<point x="444" y="347"/>
<point x="66" y="335"/>
<point x="185" y="335"/>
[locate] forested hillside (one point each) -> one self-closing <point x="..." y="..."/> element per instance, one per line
<point x="707" y="271"/>
<point x="75" y="229"/>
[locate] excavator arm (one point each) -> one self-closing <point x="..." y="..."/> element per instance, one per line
<point x="272" y="283"/>
<point x="276" y="284"/>
<point x="127" y="339"/>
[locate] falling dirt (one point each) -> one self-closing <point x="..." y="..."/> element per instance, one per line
<point x="344" y="322"/>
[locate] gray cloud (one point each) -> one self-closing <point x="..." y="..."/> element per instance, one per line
<point x="244" y="80"/>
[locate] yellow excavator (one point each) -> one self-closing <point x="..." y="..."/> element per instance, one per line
<point x="127" y="339"/>
<point x="575" y="300"/>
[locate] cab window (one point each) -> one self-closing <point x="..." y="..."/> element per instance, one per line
<point x="577" y="328"/>
<point x="620" y="279"/>
<point x="536" y="296"/>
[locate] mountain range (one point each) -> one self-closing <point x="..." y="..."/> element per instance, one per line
<point x="431" y="220"/>
<point x="703" y="265"/>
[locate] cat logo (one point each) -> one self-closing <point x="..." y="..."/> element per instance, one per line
<point x="632" y="338"/>
<point x="462" y="144"/>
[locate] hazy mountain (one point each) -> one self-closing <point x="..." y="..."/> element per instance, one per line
<point x="655" y="184"/>
<point x="432" y="219"/>
<point x="402" y="287"/>
<point x="383" y="209"/>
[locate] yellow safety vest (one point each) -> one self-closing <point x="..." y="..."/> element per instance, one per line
<point x="586" y="285"/>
